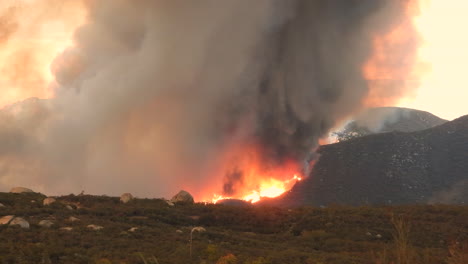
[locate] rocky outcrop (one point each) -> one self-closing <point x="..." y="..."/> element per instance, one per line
<point x="46" y="223"/>
<point x="48" y="201"/>
<point x="126" y="197"/>
<point x="6" y="219"/>
<point x="21" y="190"/>
<point x="73" y="219"/>
<point x="18" y="221"/>
<point x="95" y="227"/>
<point x="182" y="197"/>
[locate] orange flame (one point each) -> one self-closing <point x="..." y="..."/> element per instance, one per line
<point x="255" y="176"/>
<point x="270" y="188"/>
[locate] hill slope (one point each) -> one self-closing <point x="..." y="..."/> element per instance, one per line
<point x="429" y="166"/>
<point x="388" y="119"/>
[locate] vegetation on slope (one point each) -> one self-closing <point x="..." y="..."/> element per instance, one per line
<point x="234" y="234"/>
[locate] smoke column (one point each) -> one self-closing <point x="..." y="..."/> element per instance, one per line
<point x="153" y="92"/>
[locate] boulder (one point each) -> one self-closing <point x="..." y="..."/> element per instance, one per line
<point x="73" y="219"/>
<point x="67" y="228"/>
<point x="19" y="222"/>
<point x="1" y="205"/>
<point x="48" y="201"/>
<point x="133" y="229"/>
<point x="6" y="219"/>
<point x="126" y="197"/>
<point x="69" y="207"/>
<point x="182" y="197"/>
<point x="95" y="227"/>
<point x="46" y="223"/>
<point x="170" y="203"/>
<point x="21" y="190"/>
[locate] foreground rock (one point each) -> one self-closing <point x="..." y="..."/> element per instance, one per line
<point x="1" y="205"/>
<point x="6" y="219"/>
<point x="46" y="223"/>
<point x="73" y="219"/>
<point x="126" y="197"/>
<point x="182" y="197"/>
<point x="48" y="201"/>
<point x="95" y="227"/>
<point x="18" y="221"/>
<point x="21" y="190"/>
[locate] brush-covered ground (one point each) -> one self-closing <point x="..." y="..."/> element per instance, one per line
<point x="234" y="234"/>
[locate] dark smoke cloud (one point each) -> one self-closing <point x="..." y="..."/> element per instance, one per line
<point x="154" y="91"/>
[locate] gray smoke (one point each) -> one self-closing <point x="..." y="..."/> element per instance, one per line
<point x="154" y="91"/>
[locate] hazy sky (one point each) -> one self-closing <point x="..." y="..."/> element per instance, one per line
<point x="444" y="89"/>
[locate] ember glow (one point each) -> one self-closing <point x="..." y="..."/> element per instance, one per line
<point x="269" y="187"/>
<point x="248" y="175"/>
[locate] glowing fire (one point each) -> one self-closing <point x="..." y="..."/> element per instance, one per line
<point x="270" y="188"/>
<point x="248" y="175"/>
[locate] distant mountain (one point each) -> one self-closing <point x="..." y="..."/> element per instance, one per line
<point x="429" y="166"/>
<point x="388" y="119"/>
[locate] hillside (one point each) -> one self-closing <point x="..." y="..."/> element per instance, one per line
<point x="429" y="166"/>
<point x="388" y="119"/>
<point x="153" y="231"/>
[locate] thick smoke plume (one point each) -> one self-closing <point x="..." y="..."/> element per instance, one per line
<point x="154" y="92"/>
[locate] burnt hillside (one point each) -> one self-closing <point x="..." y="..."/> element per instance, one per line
<point x="388" y="119"/>
<point x="429" y="166"/>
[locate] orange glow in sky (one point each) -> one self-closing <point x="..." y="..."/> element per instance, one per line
<point x="444" y="84"/>
<point x="32" y="34"/>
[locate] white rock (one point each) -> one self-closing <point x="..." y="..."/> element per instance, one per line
<point x="46" y="223"/>
<point x="20" y="222"/>
<point x="183" y="197"/>
<point x="21" y="190"/>
<point x="69" y="207"/>
<point x="73" y="219"/>
<point x="48" y="201"/>
<point x="126" y="197"/>
<point x="378" y="236"/>
<point x="133" y="229"/>
<point x="179" y="231"/>
<point x="1" y="205"/>
<point x="170" y="203"/>
<point x="67" y="228"/>
<point x="6" y="219"/>
<point x="95" y="227"/>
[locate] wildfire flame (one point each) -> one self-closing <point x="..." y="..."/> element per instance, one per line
<point x="270" y="188"/>
<point x="250" y="176"/>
